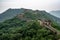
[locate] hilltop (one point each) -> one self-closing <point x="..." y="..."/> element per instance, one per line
<point x="11" y="13"/>
<point x="24" y="24"/>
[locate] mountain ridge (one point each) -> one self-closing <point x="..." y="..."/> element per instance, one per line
<point x="10" y="13"/>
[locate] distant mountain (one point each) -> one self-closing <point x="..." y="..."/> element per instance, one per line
<point x="29" y="14"/>
<point x="56" y="13"/>
<point x="10" y="13"/>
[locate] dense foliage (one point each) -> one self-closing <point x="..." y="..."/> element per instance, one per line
<point x="26" y="27"/>
<point x="16" y="29"/>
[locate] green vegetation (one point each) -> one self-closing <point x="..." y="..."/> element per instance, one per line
<point x="16" y="29"/>
<point x="26" y="27"/>
<point x="55" y="25"/>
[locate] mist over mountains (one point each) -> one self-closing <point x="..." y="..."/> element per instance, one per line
<point x="35" y="14"/>
<point x="56" y="13"/>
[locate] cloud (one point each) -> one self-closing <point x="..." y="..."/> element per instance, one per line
<point x="32" y="4"/>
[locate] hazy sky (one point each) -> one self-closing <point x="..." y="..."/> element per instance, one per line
<point x="30" y="4"/>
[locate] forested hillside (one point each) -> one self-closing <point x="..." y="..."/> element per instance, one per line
<point x="25" y="26"/>
<point x="16" y="29"/>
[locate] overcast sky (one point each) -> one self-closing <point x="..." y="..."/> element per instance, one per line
<point x="47" y="5"/>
